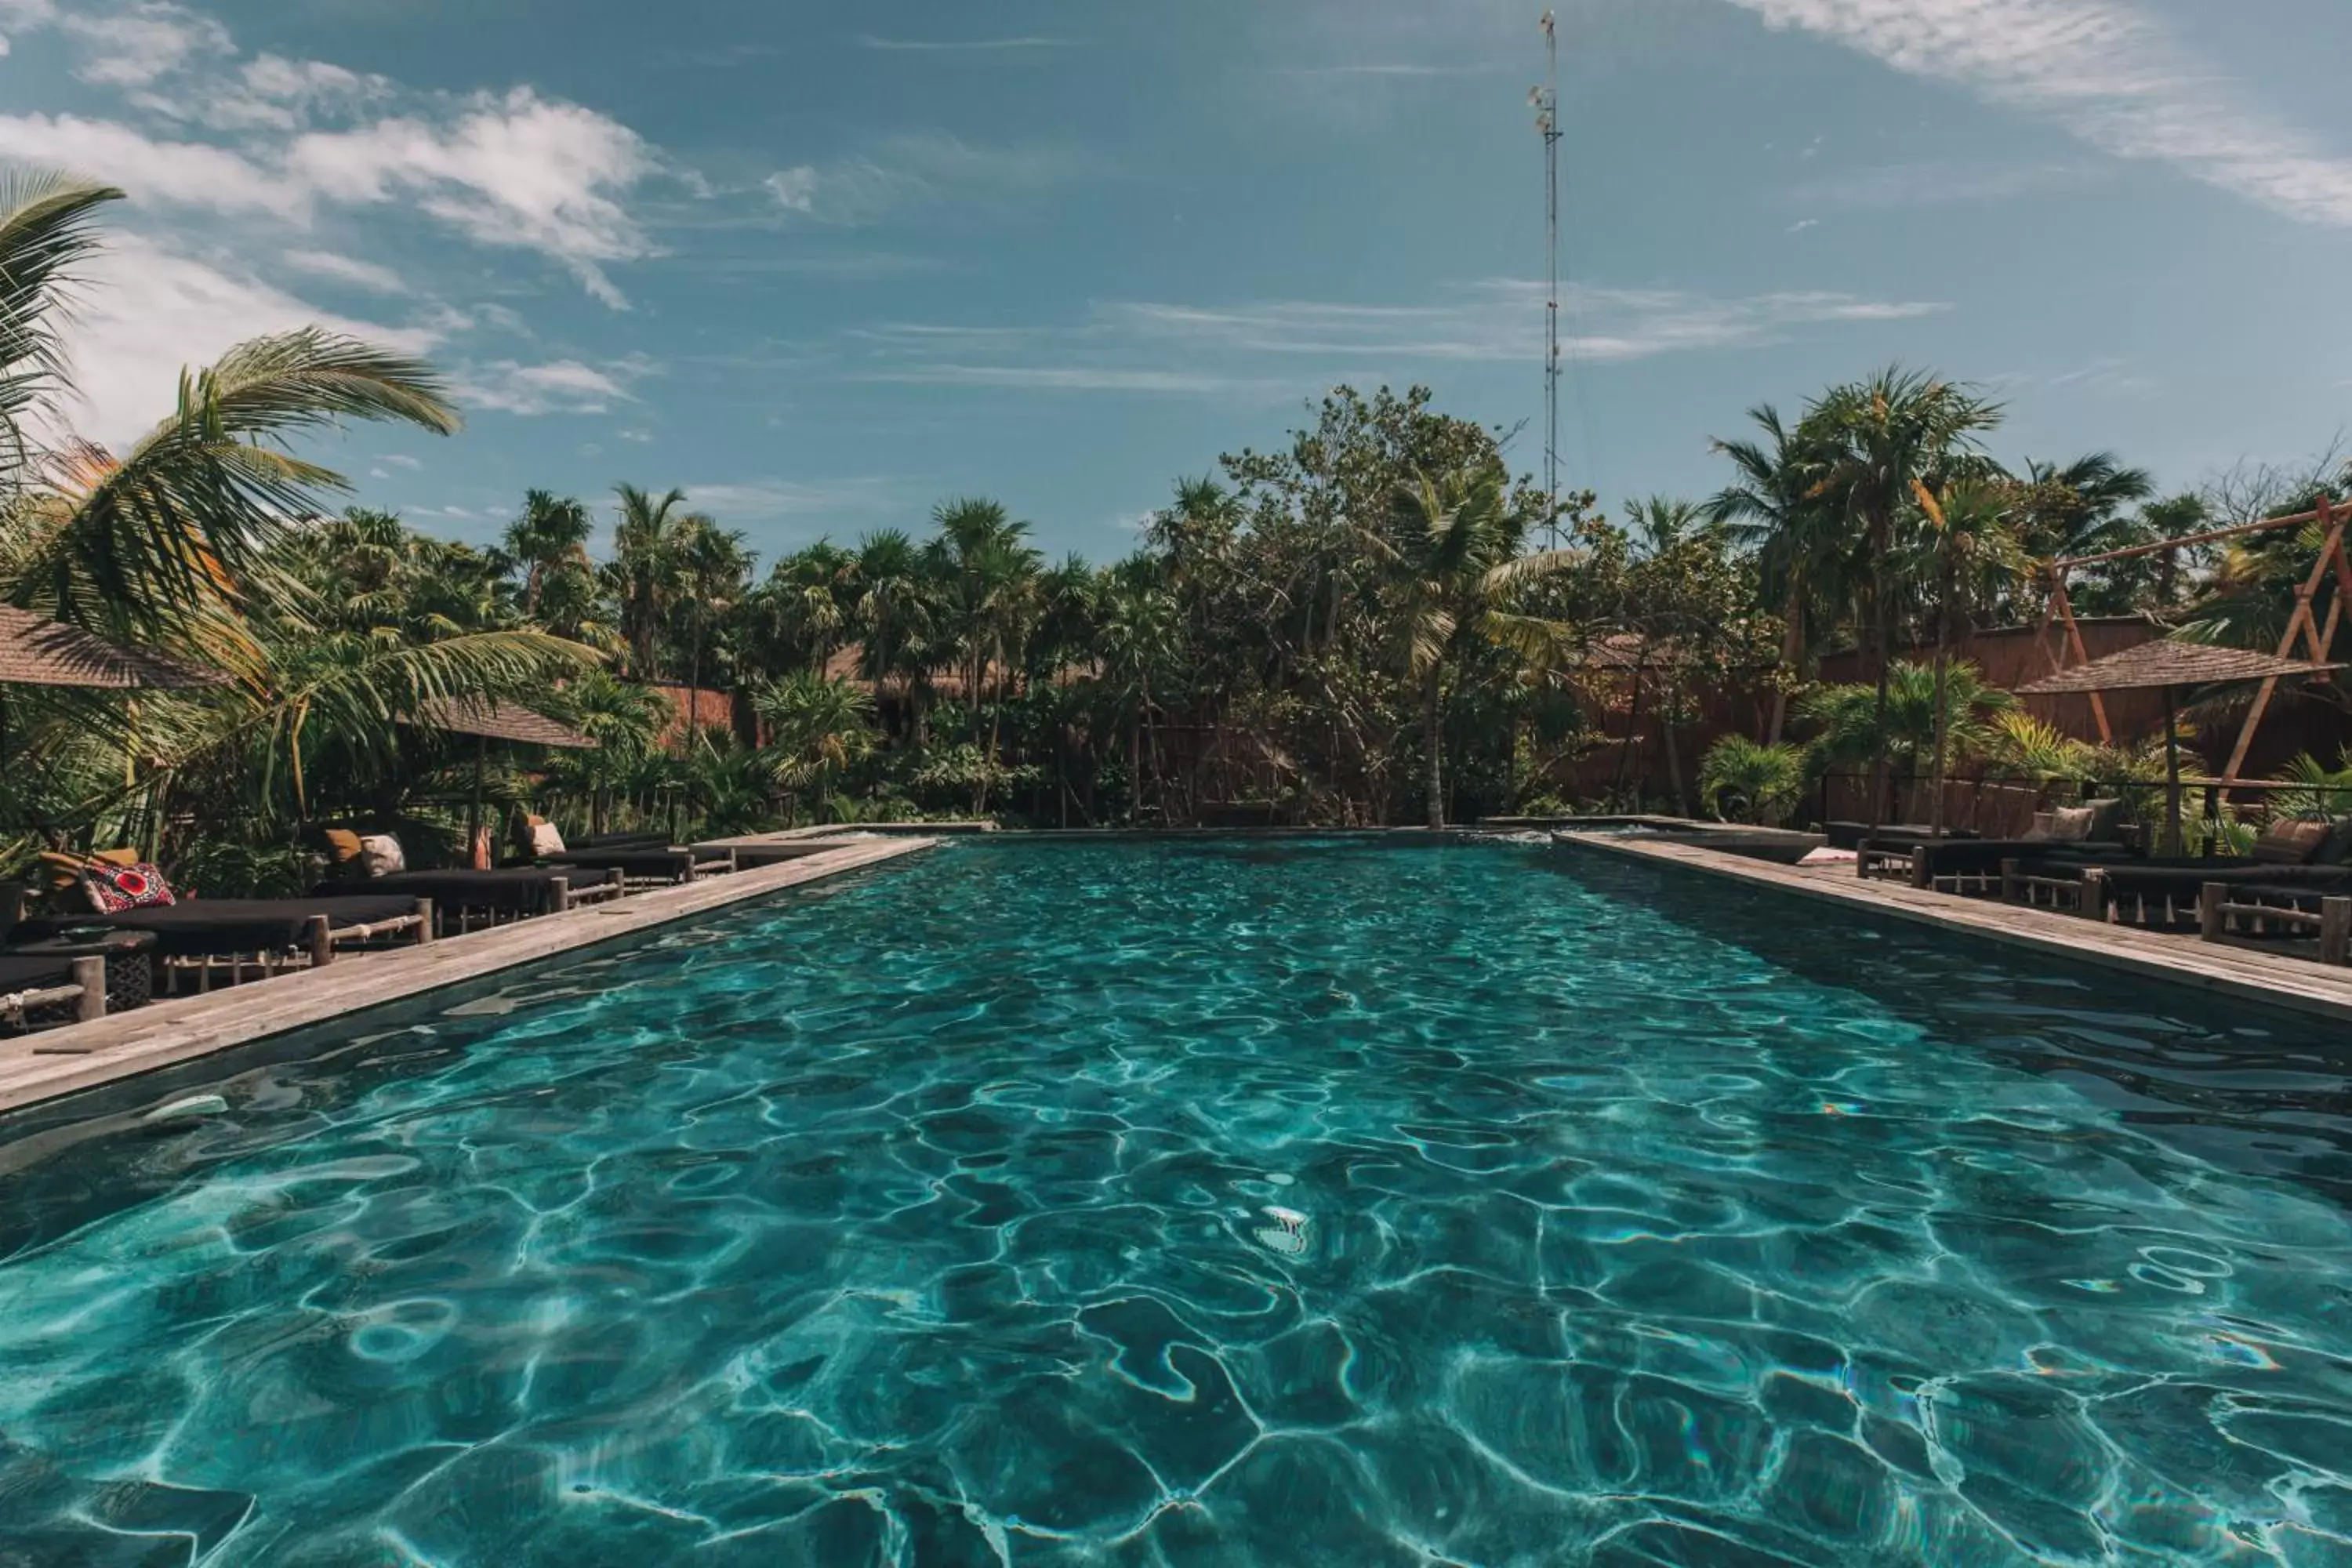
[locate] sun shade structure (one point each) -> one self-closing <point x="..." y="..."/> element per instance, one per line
<point x="38" y="651"/>
<point x="2168" y="666"/>
<point x="487" y="719"/>
<point x="496" y="720"/>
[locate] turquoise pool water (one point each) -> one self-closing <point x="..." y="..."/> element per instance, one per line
<point x="1229" y="1203"/>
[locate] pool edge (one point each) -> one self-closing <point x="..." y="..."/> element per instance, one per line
<point x="2296" y="985"/>
<point x="56" y="1063"/>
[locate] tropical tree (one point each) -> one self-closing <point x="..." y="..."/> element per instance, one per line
<point x="1778" y="508"/>
<point x="1885" y="437"/>
<point x="642" y="574"/>
<point x="1752" y="781"/>
<point x="817" y="728"/>
<point x="1458" y="560"/>
<point x="48" y="231"/>
<point x="550" y="538"/>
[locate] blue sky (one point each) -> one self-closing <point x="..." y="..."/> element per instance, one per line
<point x="823" y="264"/>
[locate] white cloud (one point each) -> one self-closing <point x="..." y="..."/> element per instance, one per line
<point x="150" y="311"/>
<point x="507" y="170"/>
<point x="140" y="45"/>
<point x="2104" y="70"/>
<point x="399" y="461"/>
<point x="927" y="171"/>
<point x="558" y="387"/>
<point x="963" y="45"/>
<point x="174" y="173"/>
<point x="346" y="269"/>
<point x="1282" y="346"/>
<point x="515" y="170"/>
<point x="769" y="500"/>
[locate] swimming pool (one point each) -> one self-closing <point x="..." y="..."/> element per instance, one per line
<point x="1231" y="1202"/>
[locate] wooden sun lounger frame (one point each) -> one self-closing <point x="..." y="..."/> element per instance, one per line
<point x="86" y="990"/>
<point x="560" y="896"/>
<point x="322" y="938"/>
<point x="2220" y="916"/>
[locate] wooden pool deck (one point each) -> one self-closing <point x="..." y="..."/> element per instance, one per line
<point x="59" y="1062"/>
<point x="2248" y="974"/>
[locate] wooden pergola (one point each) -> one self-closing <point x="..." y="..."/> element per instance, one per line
<point x="2302" y="625"/>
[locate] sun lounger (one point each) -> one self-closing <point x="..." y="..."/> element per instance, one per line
<point x="264" y="934"/>
<point x="2256" y="910"/>
<point x="516" y="892"/>
<point x="645" y="863"/>
<point x="36" y="993"/>
<point x="1969" y="865"/>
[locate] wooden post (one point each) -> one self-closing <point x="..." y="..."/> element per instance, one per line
<point x="559" y="894"/>
<point x="2301" y="624"/>
<point x="1922" y="867"/>
<point x="2334" y="929"/>
<point x="319" y="934"/>
<point x="90" y="973"/>
<point x="2210" y="920"/>
<point x="2011" y="876"/>
<point x="424" y="914"/>
<point x="2093" y="902"/>
<point x="2074" y="640"/>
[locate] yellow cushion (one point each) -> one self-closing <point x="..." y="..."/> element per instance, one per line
<point x="116" y="856"/>
<point x="344" y="844"/>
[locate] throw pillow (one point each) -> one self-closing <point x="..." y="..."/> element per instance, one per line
<point x="2292" y="842"/>
<point x="343" y="845"/>
<point x="2072" y="824"/>
<point x="381" y="854"/>
<point x="545" y="840"/>
<point x="113" y="888"/>
<point x="2045" y="827"/>
<point x="2108" y="819"/>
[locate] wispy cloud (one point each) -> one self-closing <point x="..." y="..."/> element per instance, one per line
<point x="962" y="45"/>
<point x="201" y="129"/>
<point x="1940" y="184"/>
<point x="2105" y="70"/>
<point x="1285" y="346"/>
<point x="769" y="500"/>
<point x="929" y="171"/>
<point x="1390" y="68"/>
<point x="346" y="269"/>
<point x="558" y="387"/>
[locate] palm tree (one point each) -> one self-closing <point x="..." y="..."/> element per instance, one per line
<point x="1885" y="436"/>
<point x="1776" y="507"/>
<point x="641" y="572"/>
<point x="551" y="536"/>
<point x="625" y="719"/>
<point x="986" y="571"/>
<point x="47" y="229"/>
<point x="1458" y="564"/>
<point x="184" y="535"/>
<point x="1973" y="528"/>
<point x="710" y="567"/>
<point x="816" y="727"/>
<point x="894" y="611"/>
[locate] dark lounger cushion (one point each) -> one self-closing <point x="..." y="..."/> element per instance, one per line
<point x="655" y="861"/>
<point x="524" y="890"/>
<point x="203" y="928"/>
<point x="33" y="974"/>
<point x="2292" y="842"/>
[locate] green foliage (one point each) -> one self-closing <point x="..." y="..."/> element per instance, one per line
<point x="1745" y="781"/>
<point x="1849" y="731"/>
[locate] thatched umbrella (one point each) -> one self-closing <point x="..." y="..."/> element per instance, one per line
<point x="488" y="720"/>
<point x="2168" y="666"/>
<point x="38" y="651"/>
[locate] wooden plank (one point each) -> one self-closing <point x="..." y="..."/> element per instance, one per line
<point x="124" y="1045"/>
<point x="2075" y="640"/>
<point x="2272" y="980"/>
<point x="2301" y="622"/>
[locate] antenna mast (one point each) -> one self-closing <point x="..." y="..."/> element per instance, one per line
<point x="1546" y="99"/>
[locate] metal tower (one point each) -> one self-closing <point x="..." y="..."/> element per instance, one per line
<point x="1546" y="99"/>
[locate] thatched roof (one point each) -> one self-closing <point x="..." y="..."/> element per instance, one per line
<point x="498" y="721"/>
<point x="38" y="651"/>
<point x="2167" y="663"/>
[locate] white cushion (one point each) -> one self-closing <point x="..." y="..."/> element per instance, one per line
<point x="381" y="854"/>
<point x="545" y="839"/>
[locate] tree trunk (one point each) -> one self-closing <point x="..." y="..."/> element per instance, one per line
<point x="1943" y="718"/>
<point x="1881" y="634"/>
<point x="1673" y="752"/>
<point x="1433" y="738"/>
<point x="1792" y="656"/>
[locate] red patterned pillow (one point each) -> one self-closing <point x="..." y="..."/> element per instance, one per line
<point x="114" y="889"/>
